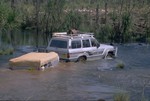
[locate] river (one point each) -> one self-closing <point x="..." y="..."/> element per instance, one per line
<point x="92" y="80"/>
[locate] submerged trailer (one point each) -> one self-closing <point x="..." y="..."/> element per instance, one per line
<point x="35" y="60"/>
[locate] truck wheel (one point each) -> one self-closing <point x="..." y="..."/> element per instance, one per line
<point x="81" y="59"/>
<point x="110" y="55"/>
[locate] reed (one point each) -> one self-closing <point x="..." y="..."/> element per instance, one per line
<point x="120" y="66"/>
<point x="8" y="51"/>
<point x="121" y="97"/>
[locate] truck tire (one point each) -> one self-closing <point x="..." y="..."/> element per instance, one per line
<point x="81" y="59"/>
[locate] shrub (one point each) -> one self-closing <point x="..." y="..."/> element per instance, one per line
<point x="8" y="51"/>
<point x="121" y="97"/>
<point x="120" y="65"/>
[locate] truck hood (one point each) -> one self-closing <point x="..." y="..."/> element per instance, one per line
<point x="106" y="46"/>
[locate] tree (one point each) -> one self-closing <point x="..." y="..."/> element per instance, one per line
<point x="37" y="10"/>
<point x="9" y="19"/>
<point x="4" y="9"/>
<point x="53" y="16"/>
<point x="72" y="20"/>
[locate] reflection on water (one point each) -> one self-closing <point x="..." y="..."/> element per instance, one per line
<point x="79" y="81"/>
<point x="22" y="38"/>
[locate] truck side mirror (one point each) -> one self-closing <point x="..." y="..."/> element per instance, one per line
<point x="97" y="45"/>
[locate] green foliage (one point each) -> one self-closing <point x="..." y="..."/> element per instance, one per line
<point x="8" y="17"/>
<point x="121" y="97"/>
<point x="126" y="22"/>
<point x="32" y="69"/>
<point x="72" y="20"/>
<point x="106" y="33"/>
<point x="4" y="9"/>
<point x="148" y="40"/>
<point x="54" y="15"/>
<point x="26" y="15"/>
<point x="123" y="18"/>
<point x="113" y="16"/>
<point x="11" y="21"/>
<point x="120" y="65"/>
<point x="5" y="38"/>
<point x="8" y="51"/>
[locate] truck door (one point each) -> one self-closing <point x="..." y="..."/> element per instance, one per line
<point x="95" y="45"/>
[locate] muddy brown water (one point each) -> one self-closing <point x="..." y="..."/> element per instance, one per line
<point x="92" y="80"/>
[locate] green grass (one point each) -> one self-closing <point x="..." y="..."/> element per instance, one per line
<point x="8" y="51"/>
<point x="121" y="97"/>
<point x="120" y="66"/>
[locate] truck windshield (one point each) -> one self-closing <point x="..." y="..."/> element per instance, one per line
<point x="58" y="44"/>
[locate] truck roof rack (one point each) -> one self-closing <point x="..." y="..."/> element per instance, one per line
<point x="64" y="34"/>
<point x="59" y="34"/>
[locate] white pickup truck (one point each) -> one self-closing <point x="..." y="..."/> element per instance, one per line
<point x="79" y="47"/>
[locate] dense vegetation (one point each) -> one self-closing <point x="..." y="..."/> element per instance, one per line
<point x="118" y="21"/>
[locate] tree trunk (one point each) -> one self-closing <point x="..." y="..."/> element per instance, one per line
<point x="0" y="38"/>
<point x="97" y="15"/>
<point x="13" y="4"/>
<point x="11" y="30"/>
<point x="106" y="12"/>
<point x="12" y="38"/>
<point x="37" y="22"/>
<point x="47" y="29"/>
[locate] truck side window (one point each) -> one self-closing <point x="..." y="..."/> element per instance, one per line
<point x="58" y="44"/>
<point x="93" y="43"/>
<point x="86" y="43"/>
<point x="76" y="44"/>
